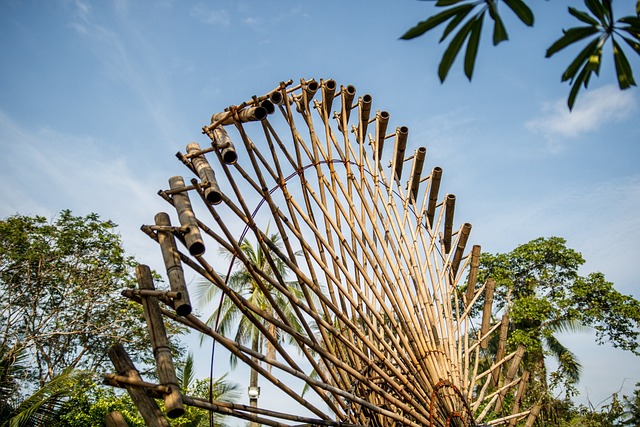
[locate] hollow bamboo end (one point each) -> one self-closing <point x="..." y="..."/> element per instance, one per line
<point x="183" y="310"/>
<point x="196" y="248"/>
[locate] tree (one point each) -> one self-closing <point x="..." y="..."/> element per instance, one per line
<point x="245" y="284"/>
<point x="60" y="303"/>
<point x="538" y="285"/>
<point x="597" y="22"/>
<point x="631" y="414"/>
<point x="91" y="402"/>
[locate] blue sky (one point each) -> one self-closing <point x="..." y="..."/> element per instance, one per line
<point x="98" y="96"/>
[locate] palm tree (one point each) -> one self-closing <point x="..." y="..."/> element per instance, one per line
<point x="228" y="318"/>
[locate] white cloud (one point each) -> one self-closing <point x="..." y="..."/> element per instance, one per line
<point x="593" y="109"/>
<point x="218" y="17"/>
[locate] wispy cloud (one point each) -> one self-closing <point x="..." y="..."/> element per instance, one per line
<point x="45" y="171"/>
<point x="217" y="17"/>
<point x="594" y="109"/>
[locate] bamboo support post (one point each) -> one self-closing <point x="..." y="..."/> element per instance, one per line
<point x="251" y="114"/>
<point x="486" y="311"/>
<point x="473" y="274"/>
<point x="173" y="265"/>
<point x="434" y="188"/>
<point x="160" y="343"/>
<point x="115" y="419"/>
<point x="192" y="237"/>
<point x="502" y="345"/>
<point x="462" y="243"/>
<point x="399" y="148"/>
<point x="328" y="93"/>
<point x="364" y="105"/>
<point x="382" y="120"/>
<point x="535" y="411"/>
<point x="416" y="171"/>
<point x="205" y="172"/>
<point x="148" y="408"/>
<point x="450" y="204"/>
<point x="348" y="93"/>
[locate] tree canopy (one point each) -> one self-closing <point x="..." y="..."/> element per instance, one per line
<point x="597" y="26"/>
<point x="60" y="302"/>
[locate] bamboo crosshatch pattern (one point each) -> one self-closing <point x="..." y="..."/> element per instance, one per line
<point x="384" y="332"/>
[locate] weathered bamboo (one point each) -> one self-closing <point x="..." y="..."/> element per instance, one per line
<point x="486" y="311"/>
<point x="251" y="114"/>
<point x="364" y="112"/>
<point x="221" y="140"/>
<point x="187" y="218"/>
<point x="399" y="148"/>
<point x="382" y="121"/>
<point x="524" y="380"/>
<point x="450" y="204"/>
<point x="511" y="374"/>
<point x="434" y="188"/>
<point x="462" y="243"/>
<point x="473" y="273"/>
<point x="148" y="408"/>
<point x="160" y="343"/>
<point x="348" y="93"/>
<point x="205" y="172"/>
<point x="115" y="419"/>
<point x="173" y="266"/>
<point x="328" y="93"/>
<point x="502" y="345"/>
<point x="535" y="411"/>
<point x="416" y="171"/>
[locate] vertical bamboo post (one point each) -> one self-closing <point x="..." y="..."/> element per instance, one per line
<point x="462" y="243"/>
<point x="160" y="343"/>
<point x="148" y="408"/>
<point x="486" y="312"/>
<point x="524" y="380"/>
<point x="502" y="344"/>
<point x="402" y="133"/>
<point x="171" y="257"/>
<point x="115" y="419"/>
<point x="205" y="172"/>
<point x="382" y="120"/>
<point x="328" y="93"/>
<point x="348" y="93"/>
<point x="364" y="104"/>
<point x="192" y="237"/>
<point x="416" y="172"/>
<point x="510" y="376"/>
<point x="450" y="205"/>
<point x="473" y="273"/>
<point x="535" y="411"/>
<point x="436" y="177"/>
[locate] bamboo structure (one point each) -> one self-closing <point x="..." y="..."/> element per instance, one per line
<point x="384" y="330"/>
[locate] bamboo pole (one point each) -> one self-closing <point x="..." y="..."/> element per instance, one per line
<point x="160" y="343"/>
<point x="473" y="273"/>
<point x="205" y="172"/>
<point x="398" y="152"/>
<point x="436" y="177"/>
<point x="192" y="237"/>
<point x="486" y="312"/>
<point x="416" y="171"/>
<point x="115" y="419"/>
<point x="173" y="265"/>
<point x="148" y="408"/>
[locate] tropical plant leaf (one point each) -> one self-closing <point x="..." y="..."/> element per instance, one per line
<point x="573" y="93"/>
<point x="499" y="31"/>
<point x="521" y="10"/>
<point x="452" y="50"/>
<point x="583" y="16"/>
<point x="434" y="21"/>
<point x="634" y="44"/>
<point x="623" y="69"/>
<point x="582" y="58"/>
<point x="454" y="23"/>
<point x="472" y="46"/>
<point x="570" y="36"/>
<point x="441" y="3"/>
<point x="598" y="10"/>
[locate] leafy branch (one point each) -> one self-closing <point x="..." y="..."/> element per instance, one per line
<point x="465" y="20"/>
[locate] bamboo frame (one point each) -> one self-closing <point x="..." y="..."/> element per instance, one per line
<point x="378" y="265"/>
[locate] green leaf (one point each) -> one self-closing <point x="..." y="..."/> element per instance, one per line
<point x="576" y="87"/>
<point x="634" y="44"/>
<point x="583" y="16"/>
<point x="581" y="59"/>
<point x="452" y="50"/>
<point x="521" y="10"/>
<point x="441" y="3"/>
<point x="434" y="21"/>
<point x="499" y="32"/>
<point x="454" y="23"/>
<point x="570" y="36"/>
<point x="623" y="69"/>
<point x="598" y="10"/>
<point x="472" y="46"/>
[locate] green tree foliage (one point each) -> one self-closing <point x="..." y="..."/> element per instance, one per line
<point x="538" y="285"/>
<point x="466" y="18"/>
<point x="60" y="302"/>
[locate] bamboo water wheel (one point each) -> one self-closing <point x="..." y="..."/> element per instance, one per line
<point x="382" y="323"/>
